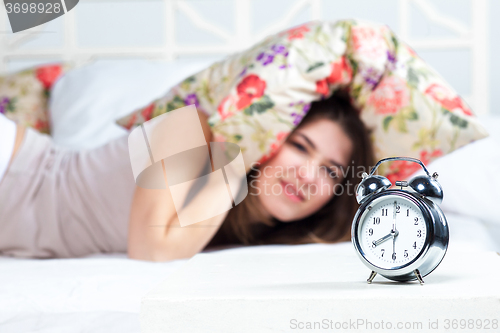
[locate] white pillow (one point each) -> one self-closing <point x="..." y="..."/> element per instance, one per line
<point x="470" y="177"/>
<point x="86" y="101"/>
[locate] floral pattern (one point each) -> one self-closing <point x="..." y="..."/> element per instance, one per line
<point x="24" y="95"/>
<point x="447" y="99"/>
<point x="280" y="138"/>
<point x="400" y="170"/>
<point x="47" y="75"/>
<point x="390" y="95"/>
<point x="255" y="98"/>
<point x="296" y="33"/>
<point x="368" y="42"/>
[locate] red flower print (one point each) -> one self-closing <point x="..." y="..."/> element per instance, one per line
<point x="427" y="157"/>
<point x="252" y="86"/>
<point x="279" y="140"/>
<point x="322" y="87"/>
<point x="47" y="75"/>
<point x="390" y="95"/>
<point x="249" y="89"/>
<point x="227" y="106"/>
<point x="449" y="100"/>
<point x="41" y="125"/>
<point x="147" y="112"/>
<point x="131" y="121"/>
<point x="368" y="42"/>
<point x="297" y="32"/>
<point x="262" y="160"/>
<point x="244" y="100"/>
<point x="341" y="72"/>
<point x="401" y="170"/>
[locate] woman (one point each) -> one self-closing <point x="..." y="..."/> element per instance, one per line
<point x="58" y="203"/>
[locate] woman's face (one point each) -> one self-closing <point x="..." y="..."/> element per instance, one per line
<point x="302" y="176"/>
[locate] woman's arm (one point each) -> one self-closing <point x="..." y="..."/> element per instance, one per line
<point x="155" y="233"/>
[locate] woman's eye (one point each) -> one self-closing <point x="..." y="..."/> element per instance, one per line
<point x="333" y="173"/>
<point x="299" y="146"/>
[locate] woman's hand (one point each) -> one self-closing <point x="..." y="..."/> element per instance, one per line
<point x="155" y="233"/>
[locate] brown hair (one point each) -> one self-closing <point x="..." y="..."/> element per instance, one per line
<point x="246" y="224"/>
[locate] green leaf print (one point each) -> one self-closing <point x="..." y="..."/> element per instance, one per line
<point x="356" y="91"/>
<point x="176" y="103"/>
<point x="395" y="42"/>
<point x="353" y="63"/>
<point x="260" y="106"/>
<point x="401" y="123"/>
<point x="314" y="66"/>
<point x="11" y="106"/>
<point x="399" y="120"/>
<point x="412" y="115"/>
<point x="454" y="119"/>
<point x="186" y="84"/>
<point x="190" y="79"/>
<point x="425" y="139"/>
<point x="412" y="77"/>
<point x="457" y="121"/>
<point x="387" y="122"/>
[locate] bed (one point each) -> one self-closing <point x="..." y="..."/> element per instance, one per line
<point x="102" y="293"/>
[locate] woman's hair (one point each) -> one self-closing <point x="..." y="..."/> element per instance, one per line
<point x="247" y="224"/>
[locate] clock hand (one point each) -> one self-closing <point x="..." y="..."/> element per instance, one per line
<point x="381" y="240"/>
<point x="394" y="218"/>
<point x="386" y="237"/>
<point x="393" y="247"/>
<point x="394" y="231"/>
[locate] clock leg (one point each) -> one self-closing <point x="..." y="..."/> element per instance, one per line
<point x="419" y="277"/>
<point x="372" y="276"/>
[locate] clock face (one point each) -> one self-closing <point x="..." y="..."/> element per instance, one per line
<point x="392" y="232"/>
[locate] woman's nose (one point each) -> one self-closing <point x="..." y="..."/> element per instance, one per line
<point x="308" y="172"/>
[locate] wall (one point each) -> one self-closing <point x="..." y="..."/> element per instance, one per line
<point x="125" y="24"/>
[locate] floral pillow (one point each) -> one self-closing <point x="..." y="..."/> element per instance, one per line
<point x="256" y="97"/>
<point x="24" y="95"/>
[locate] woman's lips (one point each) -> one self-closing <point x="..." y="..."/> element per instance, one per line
<point x="291" y="191"/>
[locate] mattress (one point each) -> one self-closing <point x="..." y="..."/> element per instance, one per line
<point x="102" y="293"/>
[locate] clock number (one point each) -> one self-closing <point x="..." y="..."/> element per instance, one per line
<point x="406" y="253"/>
<point x="384" y="211"/>
<point x="383" y="251"/>
<point x="376" y="220"/>
<point x="370" y="232"/>
<point x="419" y="233"/>
<point x="408" y="212"/>
<point x="397" y="209"/>
<point x="394" y="256"/>
<point x="415" y="245"/>
<point x="416" y="220"/>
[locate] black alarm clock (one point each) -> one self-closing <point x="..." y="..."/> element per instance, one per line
<point x="401" y="233"/>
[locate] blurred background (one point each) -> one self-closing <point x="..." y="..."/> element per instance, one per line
<point x="456" y="37"/>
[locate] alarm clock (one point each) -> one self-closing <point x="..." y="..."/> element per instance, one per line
<point x="401" y="233"/>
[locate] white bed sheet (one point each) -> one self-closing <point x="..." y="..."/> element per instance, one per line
<point x="102" y="293"/>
